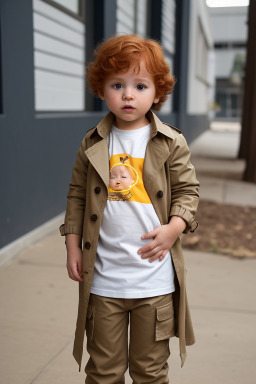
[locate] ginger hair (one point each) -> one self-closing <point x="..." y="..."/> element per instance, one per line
<point x="120" y="52"/>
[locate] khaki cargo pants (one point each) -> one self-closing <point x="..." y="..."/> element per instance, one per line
<point x="151" y="325"/>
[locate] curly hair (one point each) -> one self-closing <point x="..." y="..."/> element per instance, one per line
<point x="120" y="52"/>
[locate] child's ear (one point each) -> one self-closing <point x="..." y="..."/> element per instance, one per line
<point x="156" y="100"/>
<point x="101" y="94"/>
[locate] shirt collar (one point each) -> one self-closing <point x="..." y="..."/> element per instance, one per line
<point x="105" y="125"/>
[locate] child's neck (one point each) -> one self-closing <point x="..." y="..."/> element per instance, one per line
<point x="131" y="125"/>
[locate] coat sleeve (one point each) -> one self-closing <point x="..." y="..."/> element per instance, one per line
<point x="184" y="185"/>
<point x="76" y="198"/>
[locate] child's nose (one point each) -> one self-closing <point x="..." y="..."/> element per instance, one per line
<point x="128" y="94"/>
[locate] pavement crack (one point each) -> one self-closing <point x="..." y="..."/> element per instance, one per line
<point x="36" y="264"/>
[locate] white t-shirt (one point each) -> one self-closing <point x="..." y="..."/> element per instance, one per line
<point x="119" y="271"/>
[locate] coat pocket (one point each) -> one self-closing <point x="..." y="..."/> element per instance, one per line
<point x="165" y="322"/>
<point x="90" y="318"/>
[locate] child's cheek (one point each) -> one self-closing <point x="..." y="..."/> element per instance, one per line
<point x="112" y="96"/>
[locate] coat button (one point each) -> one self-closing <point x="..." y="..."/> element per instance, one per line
<point x="94" y="217"/>
<point x="97" y="190"/>
<point x="160" y="194"/>
<point x="87" y="245"/>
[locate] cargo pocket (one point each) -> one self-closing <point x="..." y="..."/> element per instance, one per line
<point x="90" y="317"/>
<point x="165" y="322"/>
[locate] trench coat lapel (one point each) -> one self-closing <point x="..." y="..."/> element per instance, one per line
<point x="157" y="152"/>
<point x="98" y="155"/>
<point x="155" y="158"/>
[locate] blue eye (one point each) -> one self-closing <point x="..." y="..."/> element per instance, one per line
<point x="117" y="86"/>
<point x="141" y="87"/>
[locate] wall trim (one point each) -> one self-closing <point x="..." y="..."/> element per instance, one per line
<point x="14" y="248"/>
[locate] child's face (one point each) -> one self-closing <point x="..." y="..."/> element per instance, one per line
<point x="130" y="96"/>
<point x="120" y="178"/>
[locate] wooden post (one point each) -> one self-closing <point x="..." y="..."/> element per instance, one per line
<point x="247" y="149"/>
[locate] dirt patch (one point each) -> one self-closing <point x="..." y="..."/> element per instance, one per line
<point x="224" y="229"/>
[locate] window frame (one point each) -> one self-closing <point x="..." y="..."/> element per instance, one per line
<point x="80" y="16"/>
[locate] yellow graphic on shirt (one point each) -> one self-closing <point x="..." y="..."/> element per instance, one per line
<point x="125" y="179"/>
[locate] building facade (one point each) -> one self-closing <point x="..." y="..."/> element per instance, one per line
<point x="46" y="108"/>
<point x="229" y="29"/>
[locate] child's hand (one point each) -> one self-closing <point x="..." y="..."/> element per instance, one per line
<point x="75" y="264"/>
<point x="74" y="257"/>
<point x="164" y="238"/>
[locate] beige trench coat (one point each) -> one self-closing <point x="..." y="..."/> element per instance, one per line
<point x="170" y="181"/>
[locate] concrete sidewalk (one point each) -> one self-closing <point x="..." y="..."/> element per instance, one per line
<point x="39" y="306"/>
<point x="214" y="155"/>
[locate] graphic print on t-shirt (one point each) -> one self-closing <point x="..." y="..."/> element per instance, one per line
<point x="125" y="179"/>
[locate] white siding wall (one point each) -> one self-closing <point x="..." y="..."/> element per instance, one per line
<point x="168" y="25"/>
<point x="200" y="46"/>
<point x="59" y="59"/>
<point x="168" y="42"/>
<point x="125" y="16"/>
<point x="131" y="17"/>
<point x="141" y="17"/>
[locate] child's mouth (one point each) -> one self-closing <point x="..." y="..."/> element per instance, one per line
<point x="128" y="108"/>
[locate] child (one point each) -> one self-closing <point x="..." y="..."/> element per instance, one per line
<point x="123" y="243"/>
